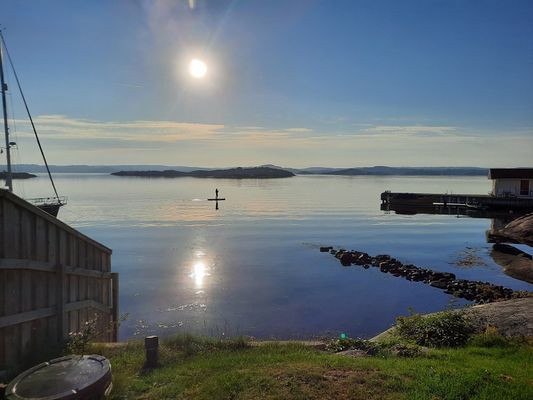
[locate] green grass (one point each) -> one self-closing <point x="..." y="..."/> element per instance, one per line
<point x="200" y="368"/>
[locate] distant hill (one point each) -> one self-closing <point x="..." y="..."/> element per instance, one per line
<point x="424" y="171"/>
<point x="232" y="173"/>
<point x="100" y="169"/>
<point x="376" y="170"/>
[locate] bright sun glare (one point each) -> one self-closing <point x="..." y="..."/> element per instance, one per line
<point x="197" y="68"/>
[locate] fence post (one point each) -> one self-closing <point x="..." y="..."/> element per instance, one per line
<point x="60" y="302"/>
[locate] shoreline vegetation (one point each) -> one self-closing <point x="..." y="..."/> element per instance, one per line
<point x="469" y="353"/>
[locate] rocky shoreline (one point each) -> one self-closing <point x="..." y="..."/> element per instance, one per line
<point x="477" y="291"/>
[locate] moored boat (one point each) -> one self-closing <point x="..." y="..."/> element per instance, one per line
<point x="52" y="204"/>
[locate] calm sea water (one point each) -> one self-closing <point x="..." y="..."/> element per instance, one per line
<point x="253" y="266"/>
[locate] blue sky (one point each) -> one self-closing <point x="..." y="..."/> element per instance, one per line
<point x="296" y="83"/>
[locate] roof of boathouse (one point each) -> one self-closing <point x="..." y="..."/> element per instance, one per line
<point x="511" y="173"/>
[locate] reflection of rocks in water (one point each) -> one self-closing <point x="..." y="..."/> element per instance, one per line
<point x="520" y="230"/>
<point x="514" y="262"/>
<point x="469" y="258"/>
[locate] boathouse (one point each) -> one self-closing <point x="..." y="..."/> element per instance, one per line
<point x="53" y="279"/>
<point x="512" y="182"/>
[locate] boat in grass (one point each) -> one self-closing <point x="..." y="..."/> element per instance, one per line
<point x="51" y="204"/>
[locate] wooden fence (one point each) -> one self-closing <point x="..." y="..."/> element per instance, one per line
<point x="52" y="280"/>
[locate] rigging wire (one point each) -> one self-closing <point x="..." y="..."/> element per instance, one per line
<point x="29" y="116"/>
<point x="14" y="134"/>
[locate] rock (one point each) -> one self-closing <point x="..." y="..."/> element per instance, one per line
<point x="481" y="292"/>
<point x="441" y="284"/>
<point x="518" y="231"/>
<point x="346" y="259"/>
<point x="512" y="318"/>
<point x="324" y="249"/>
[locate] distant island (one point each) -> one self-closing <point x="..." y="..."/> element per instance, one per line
<point x="425" y="171"/>
<point x="232" y="173"/>
<point x="175" y="169"/>
<point x="17" y="175"/>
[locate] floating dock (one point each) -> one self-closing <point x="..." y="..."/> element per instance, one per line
<point x="471" y="201"/>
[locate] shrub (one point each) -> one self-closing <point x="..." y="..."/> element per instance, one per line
<point x="445" y="329"/>
<point x="337" y="345"/>
<point x="405" y="350"/>
<point x="78" y="341"/>
<point x="490" y="338"/>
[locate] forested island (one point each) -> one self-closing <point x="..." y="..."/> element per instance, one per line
<point x="17" y="175"/>
<point x="232" y="173"/>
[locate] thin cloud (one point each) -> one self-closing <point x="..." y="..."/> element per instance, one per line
<point x="62" y="127"/>
<point x="426" y="130"/>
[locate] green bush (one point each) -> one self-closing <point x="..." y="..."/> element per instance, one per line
<point x="337" y="345"/>
<point x="490" y="338"/>
<point x="444" y="329"/>
<point x="406" y="350"/>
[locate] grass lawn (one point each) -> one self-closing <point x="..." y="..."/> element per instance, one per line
<point x="196" y="368"/>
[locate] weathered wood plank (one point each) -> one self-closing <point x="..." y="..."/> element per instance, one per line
<point x="40" y="285"/>
<point x="15" y="319"/>
<point x="11" y="230"/>
<point x="12" y="345"/>
<point x="17" y="264"/>
<point x="41" y="240"/>
<point x="82" y="254"/>
<point x="2" y="226"/>
<point x="2" y="292"/>
<point x="74" y="250"/>
<point x="87" y="304"/>
<point x="53" y="244"/>
<point x="63" y="255"/>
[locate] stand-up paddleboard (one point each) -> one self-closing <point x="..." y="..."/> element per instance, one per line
<point x="216" y="197"/>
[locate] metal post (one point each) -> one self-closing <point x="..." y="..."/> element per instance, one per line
<point x="9" y="181"/>
<point x="151" y="345"/>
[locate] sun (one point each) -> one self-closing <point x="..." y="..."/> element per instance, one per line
<point x="197" y="68"/>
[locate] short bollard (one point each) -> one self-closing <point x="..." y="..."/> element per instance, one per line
<point x="151" y="344"/>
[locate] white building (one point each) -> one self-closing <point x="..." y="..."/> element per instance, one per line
<point x="512" y="182"/>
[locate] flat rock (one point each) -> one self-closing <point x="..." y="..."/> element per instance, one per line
<point x="511" y="318"/>
<point x="518" y="231"/>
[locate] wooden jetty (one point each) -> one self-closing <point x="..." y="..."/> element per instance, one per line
<point x="479" y="201"/>
<point x="52" y="280"/>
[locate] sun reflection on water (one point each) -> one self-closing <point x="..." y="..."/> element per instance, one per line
<point x="199" y="272"/>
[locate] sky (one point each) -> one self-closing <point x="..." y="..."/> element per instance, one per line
<point x="296" y="83"/>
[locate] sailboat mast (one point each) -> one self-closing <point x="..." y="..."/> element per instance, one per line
<point x="9" y="177"/>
